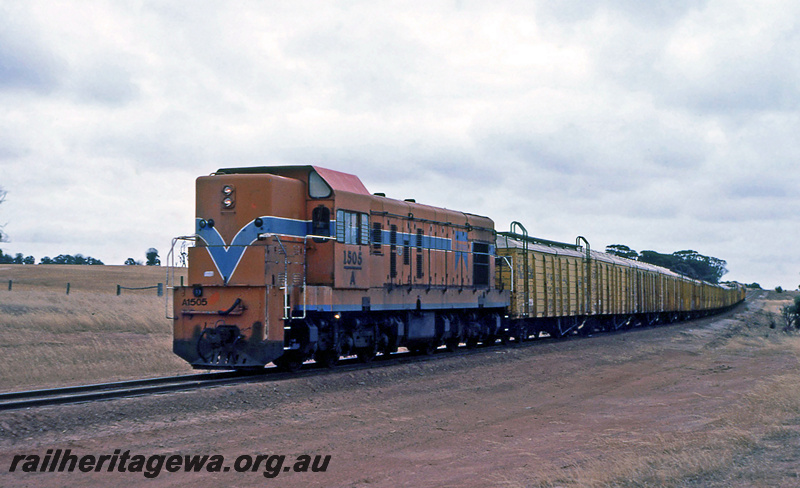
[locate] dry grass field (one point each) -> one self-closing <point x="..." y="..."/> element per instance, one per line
<point x="50" y="338"/>
<point x="708" y="403"/>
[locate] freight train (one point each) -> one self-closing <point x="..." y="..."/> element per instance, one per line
<point x="293" y="263"/>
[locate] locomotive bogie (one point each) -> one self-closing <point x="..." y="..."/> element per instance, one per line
<point x="223" y="327"/>
<point x="326" y="337"/>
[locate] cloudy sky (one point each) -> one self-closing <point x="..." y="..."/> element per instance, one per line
<point x="664" y="125"/>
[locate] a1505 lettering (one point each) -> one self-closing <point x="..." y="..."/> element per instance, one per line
<point x="352" y="258"/>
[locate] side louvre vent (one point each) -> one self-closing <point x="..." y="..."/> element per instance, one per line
<point x="419" y="253"/>
<point x="377" y="238"/>
<point x="393" y="251"/>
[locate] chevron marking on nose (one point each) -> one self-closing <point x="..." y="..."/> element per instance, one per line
<point x="226" y="257"/>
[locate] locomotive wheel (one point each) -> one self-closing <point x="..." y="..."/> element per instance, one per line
<point x="367" y="354"/>
<point x="328" y="358"/>
<point x="289" y="362"/>
<point x="452" y="344"/>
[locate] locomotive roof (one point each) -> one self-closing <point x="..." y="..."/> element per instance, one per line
<point x="345" y="182"/>
<point x="337" y="180"/>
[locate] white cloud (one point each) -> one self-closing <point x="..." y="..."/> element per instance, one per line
<point x="664" y="126"/>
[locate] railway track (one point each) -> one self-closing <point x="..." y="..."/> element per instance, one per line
<point x="149" y="386"/>
<point x="105" y="391"/>
<point x="123" y="389"/>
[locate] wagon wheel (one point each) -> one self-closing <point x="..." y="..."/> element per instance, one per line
<point x="585" y="328"/>
<point x="522" y="334"/>
<point x="621" y="322"/>
<point x="560" y="334"/>
<point x="425" y="349"/>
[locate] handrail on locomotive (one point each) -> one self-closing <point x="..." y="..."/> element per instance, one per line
<point x="170" y="279"/>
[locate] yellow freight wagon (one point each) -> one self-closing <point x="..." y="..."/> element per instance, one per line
<point x="560" y="288"/>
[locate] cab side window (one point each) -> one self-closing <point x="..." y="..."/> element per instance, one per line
<point x="321" y="223"/>
<point x="352" y="227"/>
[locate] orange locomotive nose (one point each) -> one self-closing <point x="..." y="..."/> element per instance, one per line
<point x="231" y="314"/>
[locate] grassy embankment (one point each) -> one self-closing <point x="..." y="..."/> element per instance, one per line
<point x="51" y="339"/>
<point x="754" y="441"/>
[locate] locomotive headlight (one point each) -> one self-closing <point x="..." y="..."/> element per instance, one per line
<point x="227" y="190"/>
<point x="227" y="202"/>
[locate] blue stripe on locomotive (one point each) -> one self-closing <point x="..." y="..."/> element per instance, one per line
<point x="226" y="257"/>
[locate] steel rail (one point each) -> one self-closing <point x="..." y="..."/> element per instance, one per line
<point x="123" y="389"/>
<point x="120" y="389"/>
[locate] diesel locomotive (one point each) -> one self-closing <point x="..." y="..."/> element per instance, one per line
<point x="292" y="263"/>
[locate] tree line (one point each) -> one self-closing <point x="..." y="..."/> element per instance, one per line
<point x="60" y="259"/>
<point x="19" y="258"/>
<point x="688" y="263"/>
<point x="152" y="259"/>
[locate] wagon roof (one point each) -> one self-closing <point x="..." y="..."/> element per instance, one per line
<point x="550" y="247"/>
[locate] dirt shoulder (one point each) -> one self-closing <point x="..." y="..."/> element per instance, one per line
<point x="714" y="402"/>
